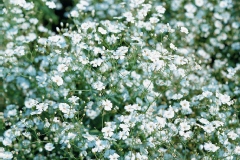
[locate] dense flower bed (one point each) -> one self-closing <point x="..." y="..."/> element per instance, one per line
<point x="131" y="79"/>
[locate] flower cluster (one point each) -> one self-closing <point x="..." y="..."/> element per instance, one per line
<point x="121" y="80"/>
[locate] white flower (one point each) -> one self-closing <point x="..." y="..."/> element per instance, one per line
<point x="148" y="84"/>
<point x="161" y="121"/>
<point x="177" y="96"/>
<point x="62" y="68"/>
<point x="180" y="60"/>
<point x="232" y="135"/>
<point x="108" y="131"/>
<point x="64" y="107"/>
<point x="30" y="103"/>
<point x="123" y="135"/>
<point x="6" y="155"/>
<point x="160" y="9"/>
<point x="204" y="121"/>
<point x="49" y="146"/>
<point x="114" y="156"/>
<point x="100" y="146"/>
<point x="184" y="126"/>
<point x="51" y="5"/>
<point x="42" y="106"/>
<point x="131" y="108"/>
<point x="73" y="100"/>
<point x="210" y="147"/>
<point x="185" y="104"/>
<point x="58" y="80"/>
<point x="199" y="3"/>
<point x="120" y="52"/>
<point x="209" y="128"/>
<point x="107" y="105"/>
<point x="96" y="62"/>
<point x="129" y="16"/>
<point x="98" y="86"/>
<point x="169" y="113"/>
<point x="7" y="141"/>
<point x="184" y="30"/>
<point x="224" y="99"/>
<point x="124" y="127"/>
<point x="237" y="150"/>
<point x="56" y="120"/>
<point x="150" y="127"/>
<point x="173" y="47"/>
<point x="101" y="30"/>
<point x="74" y="13"/>
<point x="207" y="93"/>
<point x="154" y="20"/>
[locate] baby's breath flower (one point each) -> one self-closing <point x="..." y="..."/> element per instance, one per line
<point x="107" y="131"/>
<point x="64" y="107"/>
<point x="126" y="72"/>
<point x="184" y="30"/>
<point x="49" y="146"/>
<point x="98" y="85"/>
<point x="210" y="147"/>
<point x="62" y="68"/>
<point x="232" y="135"/>
<point x="168" y="113"/>
<point x="237" y="150"/>
<point x="107" y="105"/>
<point x="160" y="9"/>
<point x="57" y="79"/>
<point x="185" y="104"/>
<point x="51" y="5"/>
<point x="114" y="156"/>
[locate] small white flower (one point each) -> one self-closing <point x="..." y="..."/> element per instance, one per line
<point x="232" y="135"/>
<point x="58" y="80"/>
<point x="120" y="52"/>
<point x="185" y="104"/>
<point x="6" y="155"/>
<point x="101" y="30"/>
<point x="74" y="13"/>
<point x="204" y="121"/>
<point x="129" y="16"/>
<point x="225" y="99"/>
<point x="96" y="62"/>
<point x="199" y="3"/>
<point x="98" y="86"/>
<point x="51" y="5"/>
<point x="131" y="108"/>
<point x="207" y="94"/>
<point x="184" y="126"/>
<point x="173" y="47"/>
<point x="160" y="9"/>
<point x="210" y="147"/>
<point x="124" y="127"/>
<point x="30" y="103"/>
<point x="237" y="150"/>
<point x="161" y="121"/>
<point x="177" y="96"/>
<point x="49" y="146"/>
<point x="42" y="107"/>
<point x="64" y="107"/>
<point x="184" y="30"/>
<point x="114" y="156"/>
<point x="169" y="113"/>
<point x="209" y="128"/>
<point x="107" y="131"/>
<point x="62" y="68"/>
<point x="107" y="105"/>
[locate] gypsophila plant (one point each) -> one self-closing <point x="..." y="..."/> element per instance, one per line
<point x="127" y="79"/>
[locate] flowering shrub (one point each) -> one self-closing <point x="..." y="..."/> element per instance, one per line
<point x="121" y="80"/>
